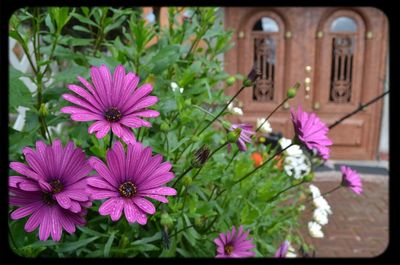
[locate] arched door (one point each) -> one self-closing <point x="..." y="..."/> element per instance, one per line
<point x="337" y="54"/>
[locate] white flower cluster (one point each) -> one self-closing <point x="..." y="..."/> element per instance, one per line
<point x="320" y="215"/>
<point x="266" y="128"/>
<point x="296" y="163"/>
<point x="174" y="87"/>
<point x="234" y="110"/>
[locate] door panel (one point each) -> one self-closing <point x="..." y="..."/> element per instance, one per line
<point x="337" y="54"/>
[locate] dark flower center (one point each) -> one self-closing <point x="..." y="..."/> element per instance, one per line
<point x="127" y="189"/>
<point x="112" y="114"/>
<point x="56" y="185"/>
<point x="48" y="199"/>
<point x="228" y="249"/>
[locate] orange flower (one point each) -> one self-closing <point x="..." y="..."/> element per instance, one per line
<point x="279" y="164"/>
<point x="257" y="158"/>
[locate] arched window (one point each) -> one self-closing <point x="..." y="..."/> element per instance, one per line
<point x="264" y="37"/>
<point x="342" y="31"/>
<point x="343" y="24"/>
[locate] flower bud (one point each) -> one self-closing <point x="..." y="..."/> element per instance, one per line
<point x="253" y="75"/>
<point x="164" y="127"/>
<point x="291" y="93"/>
<point x="166" y="220"/>
<point x="187" y="180"/>
<point x="200" y="157"/>
<point x="233" y="136"/>
<point x="230" y="80"/>
<point x="43" y="110"/>
<point x="247" y="83"/>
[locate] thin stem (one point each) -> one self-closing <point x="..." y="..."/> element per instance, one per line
<point x="233" y="157"/>
<point x="269" y="116"/>
<point x="182" y="175"/>
<point x="43" y="121"/>
<point x="183" y="229"/>
<point x="166" y="139"/>
<point x="223" y="109"/>
<point x="262" y="165"/>
<point x="361" y="107"/>
<point x="100" y="32"/>
<point x="284" y="190"/>
<point x="207" y="112"/>
<point x="326" y="193"/>
<point x="111" y="139"/>
<point x="194" y="133"/>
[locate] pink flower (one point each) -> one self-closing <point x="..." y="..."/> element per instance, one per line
<point x="52" y="188"/>
<point x="45" y="212"/>
<point x="351" y="179"/>
<point x="56" y="171"/>
<point x="232" y="245"/>
<point x="113" y="102"/>
<point x="311" y="131"/>
<point x="282" y="250"/>
<point x="127" y="180"/>
<point x="245" y="135"/>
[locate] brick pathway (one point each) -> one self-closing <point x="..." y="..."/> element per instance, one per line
<point x="358" y="226"/>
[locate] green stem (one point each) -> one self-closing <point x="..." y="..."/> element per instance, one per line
<point x="233" y="157"/>
<point x="361" y="107"/>
<point x="328" y="192"/>
<point x="166" y="139"/>
<point x="284" y="190"/>
<point x="262" y="165"/>
<point x="182" y="175"/>
<point x="44" y="125"/>
<point x="194" y="133"/>
<point x="269" y="116"/>
<point x="100" y="32"/>
<point x="111" y="139"/>
<point x="223" y="109"/>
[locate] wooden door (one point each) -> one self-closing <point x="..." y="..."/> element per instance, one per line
<point x="337" y="54"/>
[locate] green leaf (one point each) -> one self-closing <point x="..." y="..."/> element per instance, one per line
<point x="71" y="246"/>
<point x="156" y="236"/>
<point x="108" y="245"/>
<point x="81" y="28"/>
<point x="19" y="94"/>
<point x="83" y="19"/>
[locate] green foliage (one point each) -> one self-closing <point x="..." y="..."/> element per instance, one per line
<point x="208" y="200"/>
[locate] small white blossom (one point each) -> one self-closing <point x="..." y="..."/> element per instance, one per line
<point x="320" y="216"/>
<point x="234" y="110"/>
<point x="314" y="191"/>
<point x="321" y="203"/>
<point x="297" y="166"/>
<point x="294" y="150"/>
<point x="174" y="87"/>
<point x="315" y="230"/>
<point x="266" y="128"/>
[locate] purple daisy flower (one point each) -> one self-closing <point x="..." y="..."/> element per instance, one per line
<point x="56" y="171"/>
<point x="127" y="179"/>
<point x="311" y="131"/>
<point x="351" y="179"/>
<point x="282" y="250"/>
<point x="45" y="212"/>
<point x="245" y="135"/>
<point x="113" y="102"/>
<point x="234" y="245"/>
